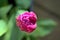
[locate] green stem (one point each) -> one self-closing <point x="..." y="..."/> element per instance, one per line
<point x="28" y="37"/>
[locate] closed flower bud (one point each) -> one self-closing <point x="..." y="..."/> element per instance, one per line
<point x="27" y="21"/>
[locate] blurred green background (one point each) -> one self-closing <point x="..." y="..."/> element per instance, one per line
<point x="48" y="21"/>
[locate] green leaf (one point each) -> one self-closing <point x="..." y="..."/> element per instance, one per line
<point x="16" y="34"/>
<point x="47" y="22"/>
<point x="11" y="23"/>
<point x="4" y="10"/>
<point x="40" y="32"/>
<point x="24" y="4"/>
<point x="13" y="33"/>
<point x="3" y="27"/>
<point x="44" y="28"/>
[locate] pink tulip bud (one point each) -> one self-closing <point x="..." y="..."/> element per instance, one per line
<point x="27" y="21"/>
